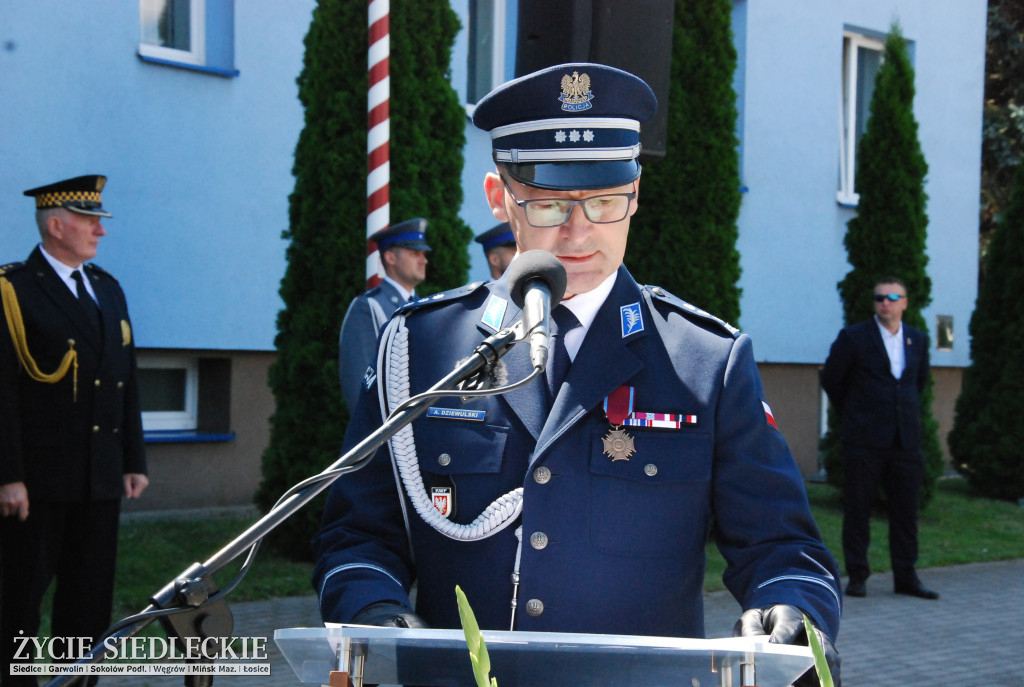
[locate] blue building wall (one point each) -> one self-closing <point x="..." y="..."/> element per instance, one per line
<point x="199" y="193"/>
<point x="791" y="225"/>
<point x="477" y="153"/>
<point x="200" y="173"/>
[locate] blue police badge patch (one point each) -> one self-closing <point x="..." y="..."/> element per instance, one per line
<point x="494" y="313"/>
<point x="632" y="320"/>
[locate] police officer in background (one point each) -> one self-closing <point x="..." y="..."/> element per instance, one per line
<point x="71" y="440"/>
<point x="595" y="496"/>
<point x="499" y="244"/>
<point x="403" y="253"/>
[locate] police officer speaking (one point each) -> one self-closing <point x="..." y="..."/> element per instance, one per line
<point x="583" y="504"/>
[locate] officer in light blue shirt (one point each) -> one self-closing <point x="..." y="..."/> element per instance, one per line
<point x="403" y="255"/>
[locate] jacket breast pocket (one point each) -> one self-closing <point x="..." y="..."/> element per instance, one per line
<point x="459" y="447"/>
<point x="656" y="503"/>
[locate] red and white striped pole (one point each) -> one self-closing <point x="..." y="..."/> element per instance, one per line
<point x="378" y="209"/>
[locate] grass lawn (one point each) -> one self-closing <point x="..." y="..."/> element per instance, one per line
<point x="956" y="527"/>
<point x="152" y="552"/>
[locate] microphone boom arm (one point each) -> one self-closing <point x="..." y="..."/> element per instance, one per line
<point x="191" y="590"/>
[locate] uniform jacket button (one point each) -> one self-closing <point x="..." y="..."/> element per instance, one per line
<point x="97" y="382"/>
<point x="95" y="428"/>
<point x="542" y="475"/>
<point x="120" y="385"/>
<point x="538" y="540"/>
<point x="534" y="607"/>
<point x="650" y="469"/>
<point x="444" y="459"/>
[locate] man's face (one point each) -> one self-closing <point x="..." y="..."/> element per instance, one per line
<point x="589" y="251"/>
<point x="407" y="266"/>
<point x="73" y="238"/>
<point x="890" y="313"/>
<point x="498" y="258"/>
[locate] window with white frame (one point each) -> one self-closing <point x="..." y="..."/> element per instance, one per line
<point x="173" y="30"/>
<point x="169" y="389"/>
<point x="862" y="56"/>
<point x="486" y="60"/>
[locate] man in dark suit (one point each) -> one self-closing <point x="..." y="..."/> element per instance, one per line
<point x="874" y="376"/>
<point x="403" y="255"/>
<point x="71" y="440"/>
<point x="581" y="504"/>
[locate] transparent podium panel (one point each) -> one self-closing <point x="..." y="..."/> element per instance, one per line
<point x="440" y="658"/>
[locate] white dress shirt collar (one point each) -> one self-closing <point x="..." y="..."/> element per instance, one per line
<point x="585" y="306"/>
<point x="894" y="348"/>
<point x="64" y="272"/>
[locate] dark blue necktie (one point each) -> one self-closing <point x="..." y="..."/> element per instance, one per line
<point x="562" y="321"/>
<point x="86" y="301"/>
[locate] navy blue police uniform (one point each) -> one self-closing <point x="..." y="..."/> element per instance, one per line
<point x="608" y="546"/>
<point x="369" y="311"/>
<point x="588" y="512"/>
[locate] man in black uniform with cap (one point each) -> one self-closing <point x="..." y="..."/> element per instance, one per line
<point x="403" y="254"/>
<point x="71" y="440"/>
<point x="499" y="244"/>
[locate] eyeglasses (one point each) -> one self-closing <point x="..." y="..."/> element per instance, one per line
<point x="553" y="212"/>
<point x="879" y="297"/>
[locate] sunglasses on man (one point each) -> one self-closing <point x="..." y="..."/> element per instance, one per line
<point x="879" y="297"/>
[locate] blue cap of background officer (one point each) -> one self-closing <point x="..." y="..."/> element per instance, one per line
<point x="500" y="235"/>
<point x="412" y="233"/>
<point x="569" y="127"/>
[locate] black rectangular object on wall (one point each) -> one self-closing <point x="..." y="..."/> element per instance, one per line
<point x="633" y="35"/>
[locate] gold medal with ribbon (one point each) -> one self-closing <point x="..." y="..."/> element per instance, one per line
<point x="618" y="405"/>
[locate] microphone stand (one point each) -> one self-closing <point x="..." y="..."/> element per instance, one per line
<point x="189" y="606"/>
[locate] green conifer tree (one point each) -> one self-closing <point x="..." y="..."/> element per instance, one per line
<point x="683" y="236"/>
<point x="327" y="221"/>
<point x="889" y="234"/>
<point x="987" y="435"/>
<point x="427" y="136"/>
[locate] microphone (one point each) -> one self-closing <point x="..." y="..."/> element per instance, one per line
<point x="536" y="283"/>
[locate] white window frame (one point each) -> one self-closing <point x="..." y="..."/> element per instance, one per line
<point x="186" y="419"/>
<point x="498" y="30"/>
<point x="197" y="38"/>
<point x="852" y="42"/>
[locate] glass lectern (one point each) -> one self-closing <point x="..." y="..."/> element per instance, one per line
<point x="440" y="658"/>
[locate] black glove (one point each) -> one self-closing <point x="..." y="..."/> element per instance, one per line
<point x="785" y="624"/>
<point x="388" y="614"/>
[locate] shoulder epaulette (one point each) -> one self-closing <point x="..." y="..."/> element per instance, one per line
<point x="93" y="267"/>
<point x="11" y="267"/>
<point x="438" y="298"/>
<point x="690" y="310"/>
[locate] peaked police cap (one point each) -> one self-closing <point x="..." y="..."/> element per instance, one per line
<point x="568" y="127"/>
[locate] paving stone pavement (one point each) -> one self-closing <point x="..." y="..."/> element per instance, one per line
<point x="973" y="636"/>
